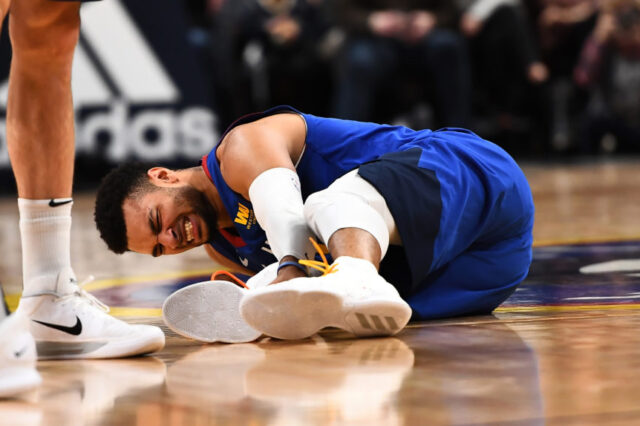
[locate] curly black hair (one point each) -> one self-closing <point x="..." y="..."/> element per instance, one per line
<point x="128" y="180"/>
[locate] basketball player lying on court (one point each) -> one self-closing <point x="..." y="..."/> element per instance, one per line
<point x="426" y="223"/>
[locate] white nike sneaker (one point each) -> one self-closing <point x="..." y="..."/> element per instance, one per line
<point x="352" y="296"/>
<point x="18" y="357"/>
<point x="209" y="312"/>
<point x="69" y="323"/>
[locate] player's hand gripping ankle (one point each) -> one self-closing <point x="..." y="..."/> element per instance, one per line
<point x="289" y="269"/>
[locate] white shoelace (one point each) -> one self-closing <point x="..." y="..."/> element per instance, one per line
<point x="84" y="296"/>
<point x="79" y="295"/>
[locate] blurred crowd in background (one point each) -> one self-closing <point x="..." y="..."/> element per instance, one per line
<point x="539" y="77"/>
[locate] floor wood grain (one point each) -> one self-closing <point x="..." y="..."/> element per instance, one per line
<point x="551" y="366"/>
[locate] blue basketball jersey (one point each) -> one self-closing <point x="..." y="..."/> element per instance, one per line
<point x="448" y="190"/>
<point x="332" y="148"/>
<point x="462" y="207"/>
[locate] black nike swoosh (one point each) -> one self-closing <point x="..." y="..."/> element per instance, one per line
<point x="54" y="203"/>
<point x="75" y="330"/>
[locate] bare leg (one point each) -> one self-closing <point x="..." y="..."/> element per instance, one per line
<point x="40" y="112"/>
<point x="40" y="137"/>
<point x="40" y="134"/>
<point x="352" y="218"/>
<point x="4" y="8"/>
<point x="355" y="242"/>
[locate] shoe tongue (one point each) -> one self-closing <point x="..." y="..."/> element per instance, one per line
<point x="67" y="282"/>
<point x="356" y="264"/>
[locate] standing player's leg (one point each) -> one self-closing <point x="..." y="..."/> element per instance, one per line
<point x="67" y="322"/>
<point x="40" y="133"/>
<point x="18" y="372"/>
<point x="40" y="129"/>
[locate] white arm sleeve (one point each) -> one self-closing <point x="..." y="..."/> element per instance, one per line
<point x="277" y="203"/>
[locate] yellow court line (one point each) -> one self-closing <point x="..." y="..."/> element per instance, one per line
<point x="117" y="311"/>
<point x="594" y="240"/>
<point x="121" y="311"/>
<point x="136" y="312"/>
<point x="118" y="282"/>
<point x="558" y="308"/>
<point x="13" y="299"/>
<point x="157" y="312"/>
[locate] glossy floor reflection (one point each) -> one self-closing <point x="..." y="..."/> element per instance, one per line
<point x="577" y="369"/>
<point x="564" y="350"/>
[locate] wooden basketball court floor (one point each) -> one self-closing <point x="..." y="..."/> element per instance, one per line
<point x="563" y="350"/>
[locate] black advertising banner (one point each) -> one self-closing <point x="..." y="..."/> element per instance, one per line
<point x="139" y="92"/>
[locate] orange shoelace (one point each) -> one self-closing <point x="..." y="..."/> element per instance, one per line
<point x="323" y="266"/>
<point x="229" y="275"/>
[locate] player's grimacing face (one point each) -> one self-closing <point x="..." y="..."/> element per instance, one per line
<point x="168" y="220"/>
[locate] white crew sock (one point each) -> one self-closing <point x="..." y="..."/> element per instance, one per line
<point x="45" y="228"/>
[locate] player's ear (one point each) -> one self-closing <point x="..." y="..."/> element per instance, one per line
<point x="162" y="176"/>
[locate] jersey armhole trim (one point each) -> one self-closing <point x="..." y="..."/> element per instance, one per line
<point x="304" y="146"/>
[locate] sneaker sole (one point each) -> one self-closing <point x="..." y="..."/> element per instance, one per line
<point x="208" y="312"/>
<point x="293" y="314"/>
<point x="16" y="381"/>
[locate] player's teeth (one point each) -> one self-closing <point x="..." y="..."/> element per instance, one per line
<point x="188" y="229"/>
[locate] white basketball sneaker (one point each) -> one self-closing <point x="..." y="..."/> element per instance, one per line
<point x="209" y="311"/>
<point x="18" y="357"/>
<point x="69" y="323"/>
<point x="351" y="296"/>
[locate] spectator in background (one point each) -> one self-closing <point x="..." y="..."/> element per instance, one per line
<point x="271" y="52"/>
<point x="204" y="38"/>
<point x="563" y="27"/>
<point x="609" y="68"/>
<point x="388" y="39"/>
<point x="507" y="70"/>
